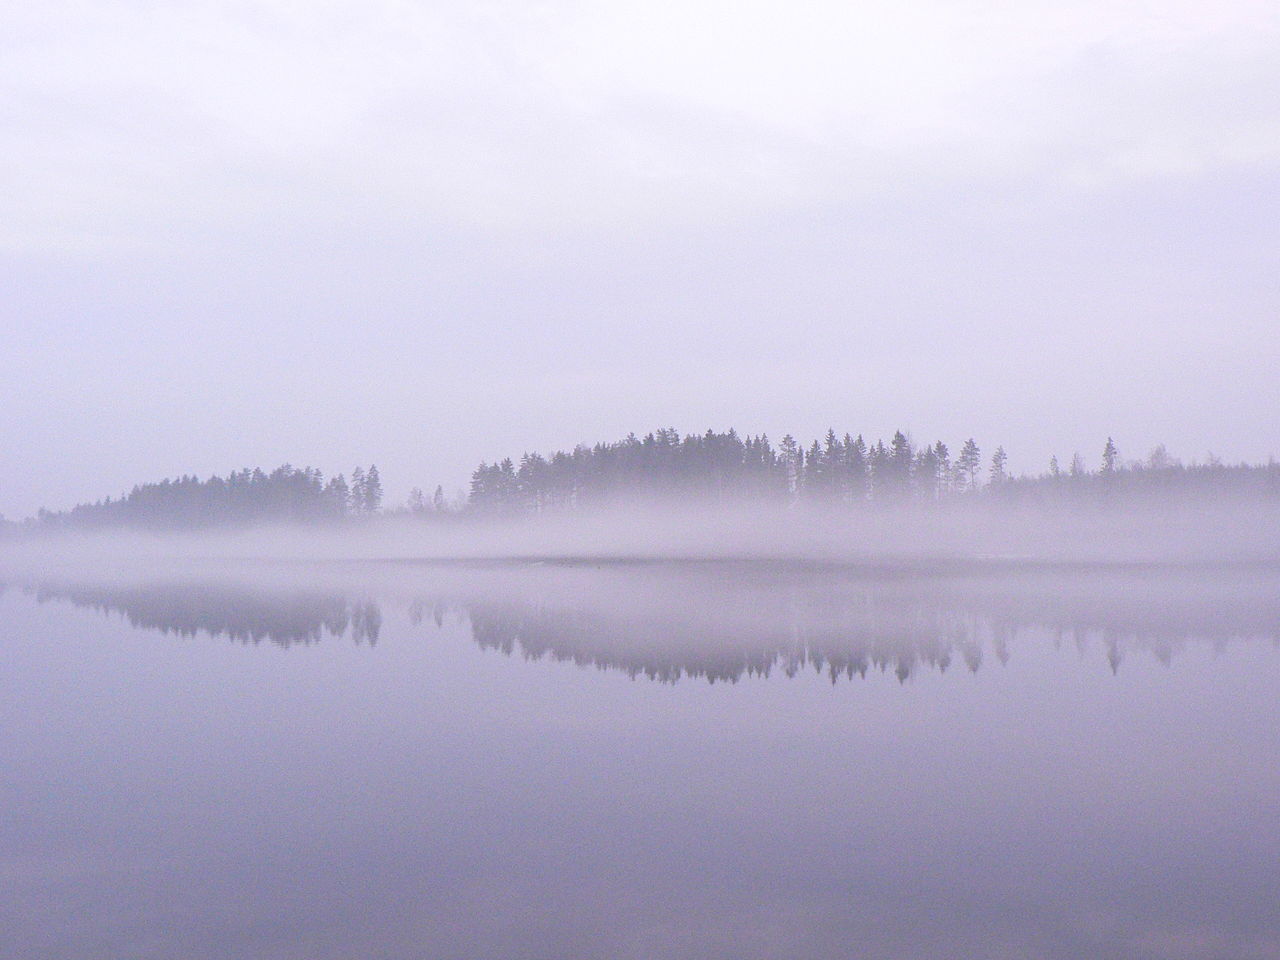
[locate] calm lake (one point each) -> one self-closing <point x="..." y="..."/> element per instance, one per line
<point x="610" y="760"/>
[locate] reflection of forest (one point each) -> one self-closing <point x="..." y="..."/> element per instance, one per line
<point x="240" y="614"/>
<point x="853" y="635"/>
<point x="722" y="624"/>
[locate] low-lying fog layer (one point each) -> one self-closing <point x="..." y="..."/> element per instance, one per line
<point x="1180" y="532"/>
<point x="714" y="619"/>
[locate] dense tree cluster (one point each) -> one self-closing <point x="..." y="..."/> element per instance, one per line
<point x="1157" y="478"/>
<point x="662" y="466"/>
<point x="286" y="494"/>
<point x="727" y="467"/>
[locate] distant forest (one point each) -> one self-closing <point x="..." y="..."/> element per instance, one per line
<point x="662" y="466"/>
<point x="244" y="497"/>
<point x="727" y="467"/>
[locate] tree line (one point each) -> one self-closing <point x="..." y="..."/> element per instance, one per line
<point x="711" y="467"/>
<point x="285" y="495"/>
<point x="727" y="467"/>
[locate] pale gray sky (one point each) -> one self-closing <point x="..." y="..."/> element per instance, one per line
<point x="425" y="234"/>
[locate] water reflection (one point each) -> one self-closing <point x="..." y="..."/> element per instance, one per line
<point x="426" y="798"/>
<point x="723" y="624"/>
<point x="240" y="614"/>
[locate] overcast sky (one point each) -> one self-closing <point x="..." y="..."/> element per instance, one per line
<point x="423" y="235"/>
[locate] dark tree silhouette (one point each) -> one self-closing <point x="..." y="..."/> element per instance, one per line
<point x="249" y="496"/>
<point x="663" y="467"/>
<point x="967" y="465"/>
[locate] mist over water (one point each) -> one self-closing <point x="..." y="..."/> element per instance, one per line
<point x="721" y="620"/>
<point x="1198" y="531"/>
<point x="687" y="759"/>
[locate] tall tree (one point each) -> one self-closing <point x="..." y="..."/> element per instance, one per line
<point x="372" y="491"/>
<point x="793" y="463"/>
<point x="968" y="463"/>
<point x="998" y="461"/>
<point x="943" y="458"/>
<point x="1110" y="458"/>
<point x="855" y="452"/>
<point x="359" y="491"/>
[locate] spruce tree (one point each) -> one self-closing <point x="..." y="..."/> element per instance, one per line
<point x="942" y="460"/>
<point x="372" y="491"/>
<point x="793" y="463"/>
<point x="337" y="497"/>
<point x="359" y="491"/>
<point x="1110" y="458"/>
<point x="998" y="461"/>
<point x="967" y="464"/>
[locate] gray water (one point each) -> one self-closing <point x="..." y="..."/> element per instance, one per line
<point x="641" y="761"/>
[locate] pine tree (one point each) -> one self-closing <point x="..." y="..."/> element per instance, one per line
<point x="967" y="465"/>
<point x="833" y="466"/>
<point x="1159" y="458"/>
<point x="417" y="502"/>
<point x="901" y="456"/>
<point x="359" y="491"/>
<point x="1110" y="458"/>
<point x="793" y="463"/>
<point x="372" y="491"/>
<point x="924" y="473"/>
<point x="998" y="461"/>
<point x="942" y="457"/>
<point x="856" y="457"/>
<point x="337" y="497"/>
<point x="815" y="476"/>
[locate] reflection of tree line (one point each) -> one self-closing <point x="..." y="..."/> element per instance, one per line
<point x="242" y="615"/>
<point x="839" y="632"/>
<point x="660" y="650"/>
<point x="901" y="642"/>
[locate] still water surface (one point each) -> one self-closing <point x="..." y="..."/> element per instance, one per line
<point x="617" y="761"/>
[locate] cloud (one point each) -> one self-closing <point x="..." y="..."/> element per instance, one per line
<point x="136" y="121"/>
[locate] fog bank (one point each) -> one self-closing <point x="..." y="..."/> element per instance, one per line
<point x="1168" y="533"/>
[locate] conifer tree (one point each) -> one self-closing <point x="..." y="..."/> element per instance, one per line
<point x="856" y="457"/>
<point x="1110" y="458"/>
<point x="337" y="497"/>
<point x="942" y="457"/>
<point x="372" y="491"/>
<point x="815" y="474"/>
<point x="998" y="461"/>
<point x="359" y="491"/>
<point x="967" y="465"/>
<point x="793" y="463"/>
